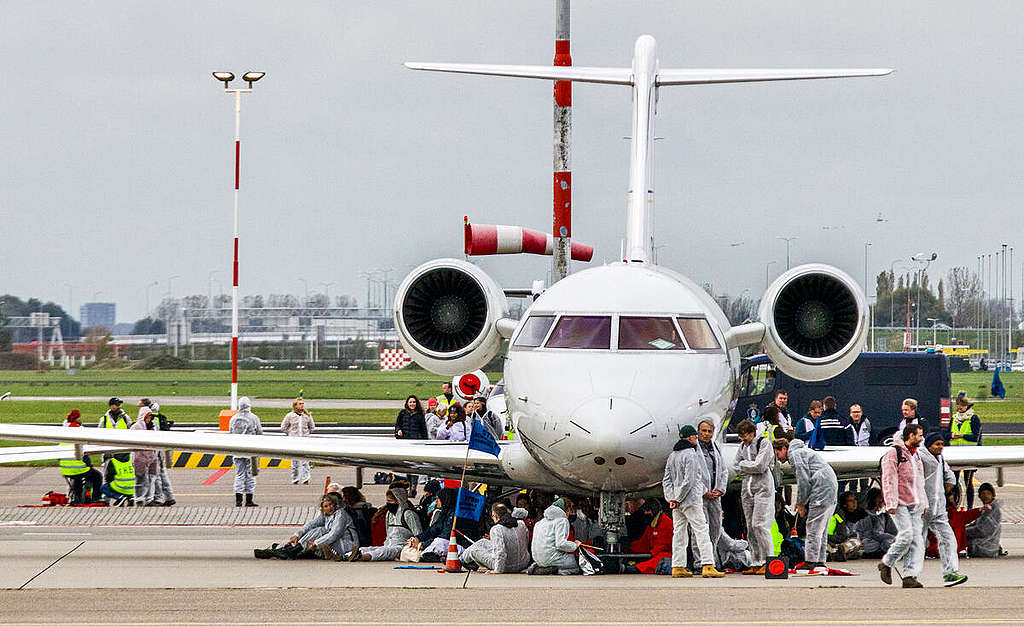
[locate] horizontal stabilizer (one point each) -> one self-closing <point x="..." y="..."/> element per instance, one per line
<point x="606" y="75"/>
<point x="708" y="77"/>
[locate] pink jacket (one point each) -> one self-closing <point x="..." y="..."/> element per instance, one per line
<point x="903" y="483"/>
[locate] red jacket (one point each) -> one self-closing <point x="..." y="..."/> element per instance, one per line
<point x="958" y="521"/>
<point x="657" y="540"/>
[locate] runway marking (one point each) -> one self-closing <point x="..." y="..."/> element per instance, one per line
<point x="977" y="620"/>
<point x="51" y="565"/>
<point x="214" y="477"/>
<point x="17" y="479"/>
<point x="60" y="534"/>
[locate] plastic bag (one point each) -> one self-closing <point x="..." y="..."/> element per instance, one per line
<point x="410" y="554"/>
<point x="590" y="565"/>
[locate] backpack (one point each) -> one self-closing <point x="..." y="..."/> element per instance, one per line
<point x="900" y="458"/>
<point x="361" y="520"/>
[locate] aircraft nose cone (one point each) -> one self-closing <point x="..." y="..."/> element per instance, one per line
<point x="609" y="451"/>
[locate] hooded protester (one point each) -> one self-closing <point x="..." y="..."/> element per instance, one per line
<point x="984" y="534"/>
<point x="508" y="549"/>
<point x="656" y="538"/>
<point x="754" y="462"/>
<point x="164" y="490"/>
<point x="401" y="522"/>
<point x="816" y="496"/>
<point x="456" y="428"/>
<point x="583" y="528"/>
<point x="442" y="525"/>
<point x="147" y="468"/>
<point x="907" y="501"/>
<point x="551" y="547"/>
<point x="876" y="530"/>
<point x="435" y="417"/>
<point x="298" y="423"/>
<point x="685" y="483"/>
<point x="938" y="478"/>
<point x="73" y="418"/>
<point x="244" y="422"/>
<point x="491" y="420"/>
<point x="329" y="535"/>
<point x="718" y="474"/>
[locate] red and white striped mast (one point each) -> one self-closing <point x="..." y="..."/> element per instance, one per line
<point x="226" y="78"/>
<point x="562" y="223"/>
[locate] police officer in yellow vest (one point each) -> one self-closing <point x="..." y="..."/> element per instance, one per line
<point x="115" y="417"/>
<point x="120" y="484"/>
<point x="80" y="472"/>
<point x="965" y="430"/>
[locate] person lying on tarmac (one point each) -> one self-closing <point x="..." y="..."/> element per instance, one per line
<point x="401" y="522"/>
<point x="328" y="536"/>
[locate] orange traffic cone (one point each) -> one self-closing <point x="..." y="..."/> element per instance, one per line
<point x="453" y="565"/>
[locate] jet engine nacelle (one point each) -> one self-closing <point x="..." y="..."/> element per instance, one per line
<point x="446" y="314"/>
<point x="815" y="319"/>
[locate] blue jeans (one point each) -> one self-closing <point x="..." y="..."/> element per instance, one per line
<point x="109" y="492"/>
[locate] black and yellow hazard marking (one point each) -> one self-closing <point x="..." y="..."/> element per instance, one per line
<point x="199" y="460"/>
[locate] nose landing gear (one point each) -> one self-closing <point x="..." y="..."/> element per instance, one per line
<point x="612" y="518"/>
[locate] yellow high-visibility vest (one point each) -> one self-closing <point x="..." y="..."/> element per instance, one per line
<point x="124" y="477"/>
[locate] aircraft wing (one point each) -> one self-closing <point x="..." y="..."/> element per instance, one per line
<point x="434" y="458"/>
<point x="25" y="454"/>
<point x="860" y="461"/>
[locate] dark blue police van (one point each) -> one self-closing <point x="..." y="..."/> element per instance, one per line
<point x="878" y="381"/>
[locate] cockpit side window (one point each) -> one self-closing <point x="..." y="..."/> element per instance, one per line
<point x="648" y="333"/>
<point x="698" y="333"/>
<point x="592" y="332"/>
<point x="534" y="330"/>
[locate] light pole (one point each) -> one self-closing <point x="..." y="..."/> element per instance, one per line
<point x="867" y="244"/>
<point x="934" y="335"/>
<point x="305" y="286"/>
<point x="788" y="240"/>
<point x="226" y="78"/>
<point x="209" y="289"/>
<point x="892" y="289"/>
<point x="148" y="287"/>
<point x="920" y="257"/>
<point x="170" y="286"/>
<point x="327" y="292"/>
<point x="766" y="266"/>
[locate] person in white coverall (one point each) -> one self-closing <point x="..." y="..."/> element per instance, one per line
<point x="551" y="547"/>
<point x="684" y="484"/>
<point x="817" y="493"/>
<point x="244" y="422"/>
<point x="937" y="479"/>
<point x="298" y="423"/>
<point x="507" y="551"/>
<point x="401" y="522"/>
<point x="754" y="462"/>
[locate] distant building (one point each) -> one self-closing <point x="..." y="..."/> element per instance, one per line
<point x="122" y="328"/>
<point x="98" y="314"/>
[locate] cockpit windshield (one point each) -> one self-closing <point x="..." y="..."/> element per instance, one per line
<point x="534" y="330"/>
<point x="592" y="332"/>
<point x="698" y="333"/>
<point x="648" y="333"/>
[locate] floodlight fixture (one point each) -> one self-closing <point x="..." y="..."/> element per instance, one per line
<point x="252" y="77"/>
<point x="224" y="77"/>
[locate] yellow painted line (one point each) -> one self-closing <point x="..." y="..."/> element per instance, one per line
<point x="317" y="622"/>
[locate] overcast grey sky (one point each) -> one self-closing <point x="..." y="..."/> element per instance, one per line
<point x="117" y="167"/>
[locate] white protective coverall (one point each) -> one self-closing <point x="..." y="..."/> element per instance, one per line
<point x="400" y="525"/>
<point x="244" y="422"/>
<point x="817" y="489"/>
<point x="551" y="546"/>
<point x="718" y="474"/>
<point x="936" y="474"/>
<point x="508" y="549"/>
<point x="335" y="530"/>
<point x="754" y="462"/>
<point x="686" y="481"/>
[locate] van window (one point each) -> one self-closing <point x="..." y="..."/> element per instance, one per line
<point x="592" y="332"/>
<point x="758" y="380"/>
<point x="698" y="333"/>
<point x="648" y="333"/>
<point x="534" y="331"/>
<point x="890" y="375"/>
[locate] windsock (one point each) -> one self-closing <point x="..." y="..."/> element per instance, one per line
<point x="484" y="239"/>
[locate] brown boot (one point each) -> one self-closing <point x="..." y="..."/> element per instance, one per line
<point x="681" y="572"/>
<point x="709" y="571"/>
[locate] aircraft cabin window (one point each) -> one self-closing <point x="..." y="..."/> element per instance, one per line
<point x="591" y="332"/>
<point x="534" y="331"/>
<point x="698" y="333"/>
<point x="648" y="333"/>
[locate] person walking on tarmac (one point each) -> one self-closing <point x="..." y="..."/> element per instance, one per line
<point x="115" y="417"/>
<point x="754" y="462"/>
<point x="816" y="495"/>
<point x="685" y="484"/>
<point x="906" y="500"/>
<point x="244" y="422"/>
<point x="938" y="480"/>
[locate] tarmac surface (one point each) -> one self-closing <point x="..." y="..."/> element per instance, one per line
<point x="78" y="566"/>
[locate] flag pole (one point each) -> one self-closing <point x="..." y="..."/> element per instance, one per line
<point x="458" y="497"/>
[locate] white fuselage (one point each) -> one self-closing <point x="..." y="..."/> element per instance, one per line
<point x="606" y="419"/>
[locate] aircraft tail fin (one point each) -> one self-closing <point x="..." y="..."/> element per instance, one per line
<point x="605" y="75"/>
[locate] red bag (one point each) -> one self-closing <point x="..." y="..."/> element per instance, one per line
<point x="55" y="498"/>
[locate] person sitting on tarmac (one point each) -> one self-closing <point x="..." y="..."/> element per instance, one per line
<point x="120" y="480"/>
<point x="985" y="533"/>
<point x="361" y="511"/>
<point x="401" y="522"/>
<point x="80" y="472"/>
<point x="876" y="530"/>
<point x="656" y="538"/>
<point x="434" y="538"/>
<point x="506" y="550"/>
<point x="552" y="551"/>
<point x="328" y="536"/>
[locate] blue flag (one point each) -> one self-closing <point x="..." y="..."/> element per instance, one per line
<point x="997" y="386"/>
<point x="481" y="439"/>
<point x="470" y="505"/>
